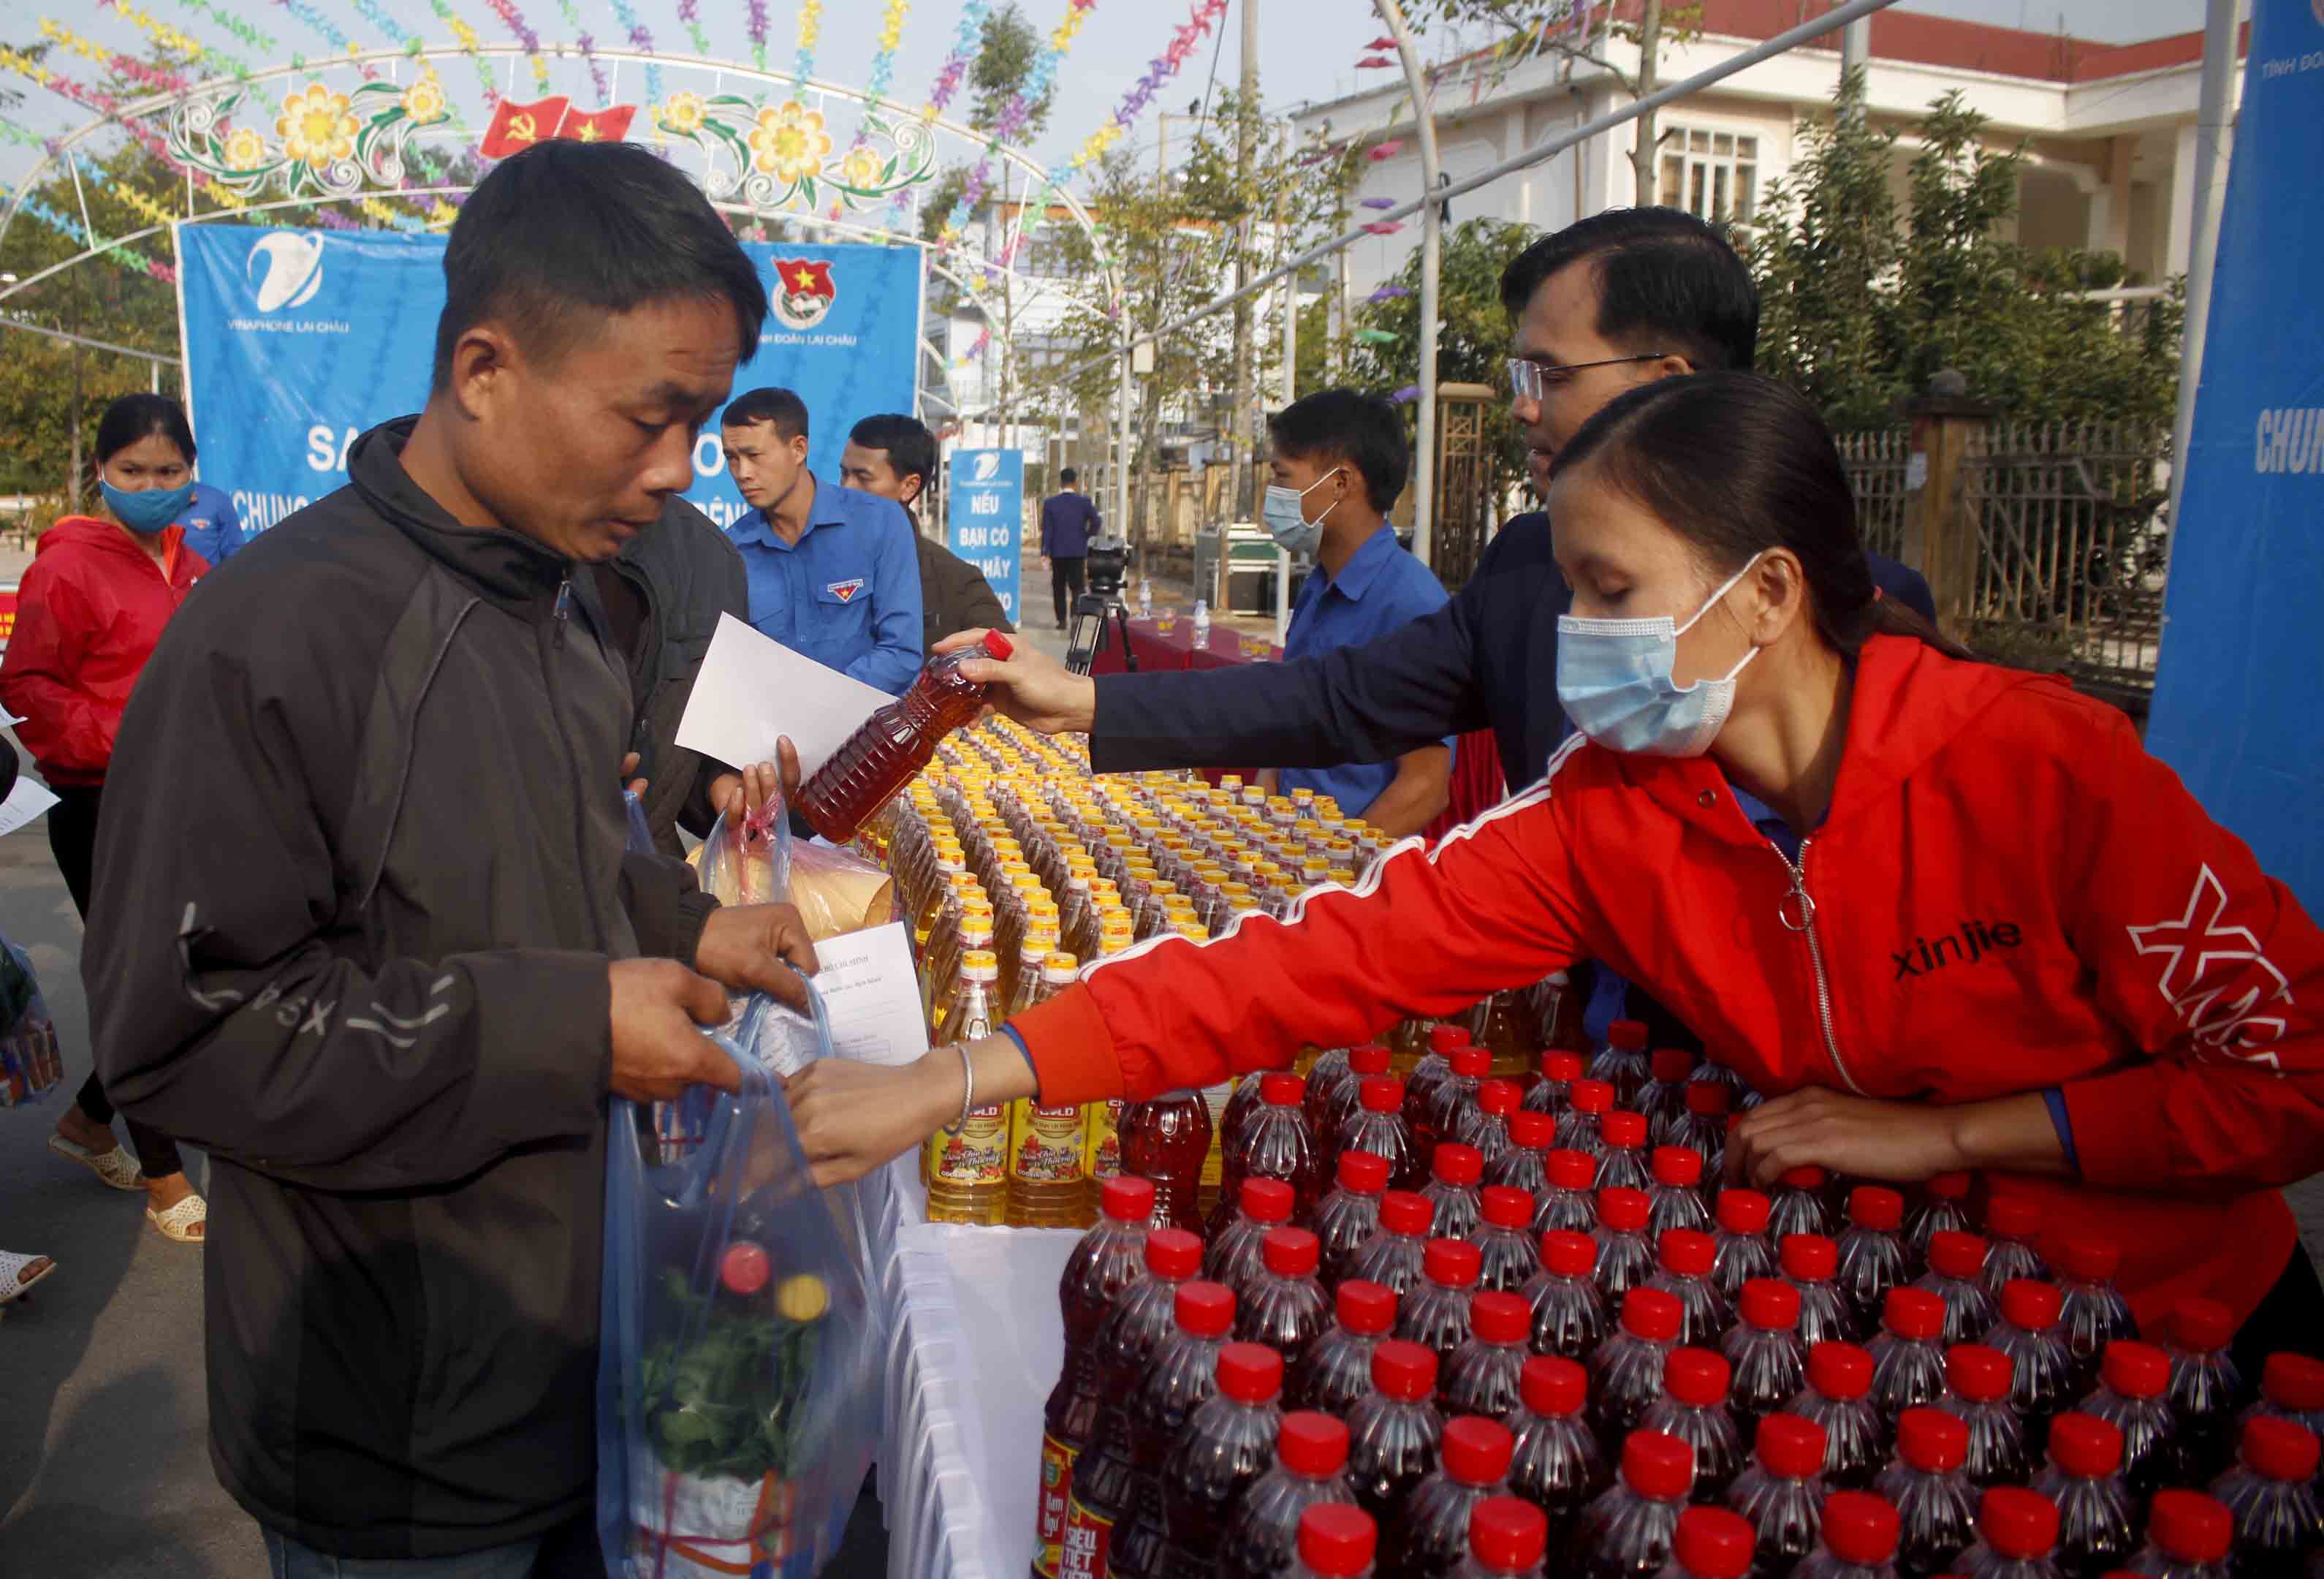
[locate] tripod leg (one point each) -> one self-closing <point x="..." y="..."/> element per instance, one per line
<point x="1121" y="617"/>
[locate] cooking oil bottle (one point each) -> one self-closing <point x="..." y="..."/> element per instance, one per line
<point x="1049" y="1154"/>
<point x="968" y="1171"/>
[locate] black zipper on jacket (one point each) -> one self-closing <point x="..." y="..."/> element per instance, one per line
<point x="562" y="621"/>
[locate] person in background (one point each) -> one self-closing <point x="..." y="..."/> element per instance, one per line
<point x="92" y="606"/>
<point x="895" y="457"/>
<point x="18" y="1271"/>
<point x="212" y="525"/>
<point x="833" y="574"/>
<point x="1339" y="461"/>
<point x="1068" y="522"/>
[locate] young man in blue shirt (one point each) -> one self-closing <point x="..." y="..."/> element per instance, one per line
<point x="833" y="573"/>
<point x="1068" y="521"/>
<point x="1340" y="460"/>
<point x="212" y="525"/>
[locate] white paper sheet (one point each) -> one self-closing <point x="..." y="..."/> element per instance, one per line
<point x="26" y="801"/>
<point x="753" y="689"/>
<point x="872" y="995"/>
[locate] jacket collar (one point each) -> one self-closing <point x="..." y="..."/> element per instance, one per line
<point x="505" y="566"/>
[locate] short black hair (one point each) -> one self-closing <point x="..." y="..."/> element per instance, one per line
<point x="1068" y="476"/>
<point x="1361" y="431"/>
<point x="910" y="448"/>
<point x="567" y="231"/>
<point x="134" y="417"/>
<point x="784" y="408"/>
<point x="1662" y="275"/>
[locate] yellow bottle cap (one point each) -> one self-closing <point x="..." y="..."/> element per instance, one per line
<point x="1344" y="876"/>
<point x="1194" y="929"/>
<point x="802" y="1297"/>
<point x="981" y="964"/>
<point x="1060" y="967"/>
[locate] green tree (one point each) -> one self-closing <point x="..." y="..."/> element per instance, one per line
<point x="1007" y="48"/>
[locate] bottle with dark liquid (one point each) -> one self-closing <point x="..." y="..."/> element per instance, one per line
<point x="1702" y="1127"/>
<point x="1684" y="1273"/>
<point x="1626" y="1374"/>
<point x="1626" y="1258"/>
<point x="1557" y="1464"/>
<point x="1337" y="1369"/>
<point x="1336" y="1542"/>
<point x="1508" y="1251"/>
<point x="1109" y="1258"/>
<point x="1628" y="1532"/>
<point x="2134" y="1398"/>
<point x="1228" y="1443"/>
<point x="1872" y="1256"/>
<point x="895" y="744"/>
<point x="1662" y="1098"/>
<point x="2098" y="1521"/>
<point x="1955" y="1275"/>
<point x="1455" y="1209"/>
<point x="1114" y="1528"/>
<point x="1763" y="1350"/>
<point x="1553" y="1092"/>
<point x="1587" y="1105"/>
<point x="2017" y="1537"/>
<point x="1693" y="1408"/>
<point x="2188" y="1536"/>
<point x="1431" y="1071"/>
<point x="2012" y="1225"/>
<point x="1745" y="1251"/>
<point x="2269" y="1492"/>
<point x="1433" y="1531"/>
<point x="1674" y="1197"/>
<point x="1623" y="1063"/>
<point x="1393" y="1258"/>
<point x="2291" y="1387"/>
<point x="1861" y="1539"/>
<point x="1347" y="1218"/>
<point x="1623" y="1162"/>
<point x="1508" y="1536"/>
<point x="2041" y="1370"/>
<point x="1166" y="1140"/>
<point x="2206" y="1389"/>
<point x="1569" y="1203"/>
<point x="1838" y="1399"/>
<point x="1483" y="1375"/>
<point x="1249" y="1092"/>
<point x="1935" y="1504"/>
<point x="1485" y="1125"/>
<point x="1274" y="1143"/>
<point x="1569" y="1313"/>
<point x="1284" y="1307"/>
<point x="1393" y="1430"/>
<point x="1378" y="1126"/>
<point x="1234" y="1256"/>
<point x="1781" y="1492"/>
<point x="1943" y="1208"/>
<point x="1435" y="1310"/>
<point x="1311" y="1464"/>
<point x="1332" y="1094"/>
<point x="1908" y="1357"/>
<point x="1976" y="1393"/>
<point x="2092" y="1312"/>
<point x="1797" y="1204"/>
<point x="1809" y="1262"/>
<point x="1524" y="1165"/>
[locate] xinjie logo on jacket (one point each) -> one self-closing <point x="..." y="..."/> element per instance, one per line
<point x="804" y="291"/>
<point x="2189" y="948"/>
<point x="1973" y="941"/>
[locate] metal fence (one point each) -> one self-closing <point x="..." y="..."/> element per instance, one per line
<point x="1877" y="463"/>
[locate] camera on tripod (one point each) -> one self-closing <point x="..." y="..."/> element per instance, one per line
<point x="1098" y="619"/>
<point x="1109" y="561"/>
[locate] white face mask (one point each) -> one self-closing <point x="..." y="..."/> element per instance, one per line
<point x="1285" y="513"/>
<point x="1614" y="682"/>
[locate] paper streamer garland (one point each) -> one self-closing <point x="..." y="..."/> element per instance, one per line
<point x="588" y="47"/>
<point x="470" y="45"/>
<point x="327" y="28"/>
<point x="810" y="30"/>
<point x="514" y="20"/>
<point x="118" y="252"/>
<point x="1019" y="109"/>
<point x="642" y="42"/>
<point x="758" y="27"/>
<point x="257" y="38"/>
<point x="689" y="12"/>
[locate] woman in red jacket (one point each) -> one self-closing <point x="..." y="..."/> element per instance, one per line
<point x="91" y="607"/>
<point x="1947" y="914"/>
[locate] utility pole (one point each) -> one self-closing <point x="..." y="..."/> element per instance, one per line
<point x="1856" y="49"/>
<point x="1650" y="49"/>
<point x="1246" y="153"/>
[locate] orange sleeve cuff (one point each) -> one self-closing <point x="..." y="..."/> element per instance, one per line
<point x="1072" y="1053"/>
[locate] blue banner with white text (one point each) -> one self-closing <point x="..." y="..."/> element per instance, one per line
<point x="299" y="340"/>
<point x="988" y="518"/>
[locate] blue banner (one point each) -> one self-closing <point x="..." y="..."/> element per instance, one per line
<point x="298" y="340"/>
<point x="2235" y="695"/>
<point x="987" y="518"/>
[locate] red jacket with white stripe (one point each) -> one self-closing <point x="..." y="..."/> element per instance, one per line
<point x="2008" y="894"/>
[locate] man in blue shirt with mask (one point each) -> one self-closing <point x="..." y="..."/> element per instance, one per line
<point x="212" y="525"/>
<point x="833" y="573"/>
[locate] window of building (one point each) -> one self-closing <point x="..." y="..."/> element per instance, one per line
<point x="1712" y="175"/>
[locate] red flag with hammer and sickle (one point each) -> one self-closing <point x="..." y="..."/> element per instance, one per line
<point x="517" y="126"/>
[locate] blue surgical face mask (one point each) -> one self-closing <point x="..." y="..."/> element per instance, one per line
<point x="149" y="510"/>
<point x="1614" y="682"/>
<point x="1285" y="513"/>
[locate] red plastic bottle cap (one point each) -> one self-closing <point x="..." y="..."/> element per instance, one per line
<point x="1174" y="1253"/>
<point x="2280" y="1449"/>
<point x="1591" y="1096"/>
<point x="1672" y="1065"/>
<point x="1127" y="1198"/>
<point x="2088" y="1260"/>
<point x="1290" y="1252"/>
<point x="1573" y="1171"/>
<point x="1455" y="1263"/>
<point x="1743" y="1212"/>
<point x="1651" y="1314"/>
<point x="1950" y="1186"/>
<point x="1707" y="1098"/>
<point x="1470" y="1063"/>
<point x="2137" y="1370"/>
<point x="1553" y="1385"/>
<point x="1860" y="1528"/>
<point x="1457" y="1165"/>
<point x="2030" y="1306"/>
<point x="1956" y="1255"/>
<point x="1367" y="1309"/>
<point x="2292" y="1382"/>
<point x="1477" y="1450"/>
<point x="1808" y="1258"/>
<point x="2012" y="1217"/>
<point x="2086" y="1446"/>
<point x="1363" y="1173"/>
<point x="1507" y="1534"/>
<point x="2021" y="1524"/>
<point x="1875" y="1207"/>
<point x="1770" y="1303"/>
<point x="1840" y="1371"/>
<point x="1913" y="1313"/>
<point x="1404" y="1371"/>
<point x="1564" y="1069"/>
<point x="1249" y="1373"/>
<point x="1932" y="1440"/>
<point x="1688" y="1252"/>
<point x="1697" y="1378"/>
<point x="1569" y="1254"/>
<point x="1372" y="1058"/>
<point x="1379" y="1095"/>
<point x="1680" y="1167"/>
<point x="2191" y="1527"/>
<point x="1282" y="1090"/>
<point x="1628" y="1036"/>
<point x="1977" y="1374"/>
<point x="1622" y="1209"/>
<point x="1657" y="1464"/>
<point x="1267" y="1200"/>
<point x="1624" y="1131"/>
<point x="1312" y="1444"/>
<point x="1530" y="1130"/>
<point x="1205" y="1309"/>
<point x="1807" y="1177"/>
<point x="1507" y="1206"/>
<point x="1500" y="1318"/>
<point x="1714" y="1544"/>
<point x="1403" y="1212"/>
<point x="2203" y="1326"/>
<point x="1336" y="1538"/>
<point x="1444" y="1040"/>
<point x="1790" y="1445"/>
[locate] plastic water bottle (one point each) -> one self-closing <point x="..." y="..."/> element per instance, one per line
<point x="1685" y="1274"/>
<point x="1955" y="1275"/>
<point x="1837" y="1397"/>
<point x="1284" y="1307"/>
<point x="2188" y="1536"/>
<point x="1337" y="1369"/>
<point x="1872" y="1256"/>
<point x="1145" y="603"/>
<point x="1626" y="1374"/>
<point x="1556" y="1463"/>
<point x="2017" y="1537"/>
<point x="1810" y="1261"/>
<point x="1936" y="1507"/>
<point x="2277" y="1518"/>
<point x="2134" y="1398"/>
<point x="1711" y="1544"/>
<point x="2206" y="1389"/>
<point x="1675" y="1197"/>
<point x="1693" y="1408"/>
<point x="1201" y="622"/>
<point x="1393" y="1430"/>
<point x="1764" y="1352"/>
<point x="1484" y="1373"/>
<point x="1508" y="1252"/>
<point x="1350" y="1215"/>
<point x="1336" y="1542"/>
<point x="1977" y="1394"/>
<point x="1629" y="1531"/>
<point x="1780" y="1492"/>
<point x="1433" y="1534"/>
<point x="2098" y="1521"/>
<point x="1570" y="1202"/>
<point x="2041" y="1370"/>
<point x="1908" y="1357"/>
<point x="1394" y="1257"/>
<point x="2012" y="1224"/>
<point x="1861" y="1533"/>
<point x="1943" y="1208"/>
<point x="2092" y="1312"/>
<point x="1507" y="1539"/>
<point x="1568" y="1311"/>
<point x="1310" y="1463"/>
<point x="1745" y="1251"/>
<point x="1626" y="1258"/>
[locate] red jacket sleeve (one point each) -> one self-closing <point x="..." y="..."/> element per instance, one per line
<point x="1427" y="932"/>
<point x="2216" y="971"/>
<point x="40" y="679"/>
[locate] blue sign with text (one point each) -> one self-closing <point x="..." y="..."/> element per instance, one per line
<point x="988" y="518"/>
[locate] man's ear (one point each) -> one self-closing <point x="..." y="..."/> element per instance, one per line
<point x="910" y="488"/>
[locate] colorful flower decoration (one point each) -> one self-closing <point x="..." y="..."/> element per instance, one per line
<point x="316" y="127"/>
<point x="424" y="101"/>
<point x="683" y="114"/>
<point x="862" y="168"/>
<point x="789" y="141"/>
<point x="245" y="149"/>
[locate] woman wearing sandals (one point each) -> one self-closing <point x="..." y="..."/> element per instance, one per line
<point x="93" y="603"/>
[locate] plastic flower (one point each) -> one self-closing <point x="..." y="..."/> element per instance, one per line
<point x="423" y="101"/>
<point x="683" y="114"/>
<point x="790" y="142"/>
<point x="316" y="126"/>
<point x="244" y="148"/>
<point x="861" y="170"/>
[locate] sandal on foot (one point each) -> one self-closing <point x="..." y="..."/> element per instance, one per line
<point x="179" y="1221"/>
<point x="20" y="1272"/>
<point x="116" y="1167"/>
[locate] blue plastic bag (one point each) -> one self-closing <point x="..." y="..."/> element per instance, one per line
<point x="737" y="1368"/>
<point x="32" y="1064"/>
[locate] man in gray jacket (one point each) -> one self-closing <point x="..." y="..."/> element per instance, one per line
<point x="366" y="930"/>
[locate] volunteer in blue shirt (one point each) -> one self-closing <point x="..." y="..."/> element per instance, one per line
<point x="212" y="525"/>
<point x="1068" y="521"/>
<point x="1340" y="460"/>
<point x="833" y="573"/>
